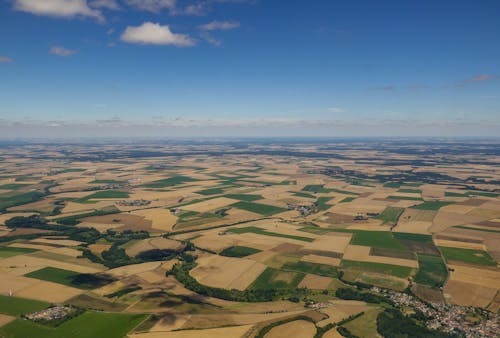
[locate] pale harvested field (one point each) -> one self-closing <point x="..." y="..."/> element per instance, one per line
<point x="483" y="277"/>
<point x="215" y="242"/>
<point x="31" y="246"/>
<point x="444" y="220"/>
<point x="101" y="227"/>
<point x="49" y="292"/>
<point x="152" y="276"/>
<point x="458" y="208"/>
<point x="170" y="322"/>
<point x="98" y="248"/>
<point x="297" y="328"/>
<point x="126" y="221"/>
<point x="227" y="272"/>
<point x="484" y="213"/>
<point x="414" y="227"/>
<point x="468" y="294"/>
<point x="315" y="282"/>
<point x="339" y="312"/>
<point x="6" y="217"/>
<point x="211" y="204"/>
<point x="459" y="244"/>
<point x="151" y="244"/>
<point x="4" y="319"/>
<point x="66" y="252"/>
<point x="76" y="208"/>
<point x="321" y="260"/>
<point x="362" y="253"/>
<point x="161" y="218"/>
<point x="262" y="256"/>
<point x="61" y="242"/>
<point x="15" y="283"/>
<point x="28" y="261"/>
<point x="128" y="270"/>
<point x="332" y="333"/>
<point x="225" y="332"/>
<point x="329" y="242"/>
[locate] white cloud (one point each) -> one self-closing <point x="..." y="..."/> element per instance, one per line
<point x="61" y="51"/>
<point x="150" y="33"/>
<point x="210" y="39"/>
<point x="154" y="6"/>
<point x="109" y="4"/>
<point x="219" y="25"/>
<point x="59" y="8"/>
<point x="5" y="59"/>
<point x="336" y="110"/>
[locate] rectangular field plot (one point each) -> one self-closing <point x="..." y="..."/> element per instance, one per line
<point x="375" y="239"/>
<point x="169" y="182"/>
<point x="390" y="214"/>
<point x="311" y="268"/>
<point x="432" y="271"/>
<point x="256" y="230"/>
<point x="389" y="269"/>
<point x="421" y="244"/>
<point x="87" y="325"/>
<point x="244" y="197"/>
<point x="432" y="205"/>
<point x="15" y="306"/>
<point x="277" y="279"/>
<point x="467" y="256"/>
<point x="263" y="209"/>
<point x="69" y="278"/>
<point x="11" y="251"/>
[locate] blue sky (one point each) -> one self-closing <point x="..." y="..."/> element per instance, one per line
<point x="249" y="68"/>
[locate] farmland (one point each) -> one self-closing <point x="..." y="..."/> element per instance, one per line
<point x="240" y="240"/>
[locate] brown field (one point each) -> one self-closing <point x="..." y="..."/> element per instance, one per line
<point x="23" y="262"/>
<point x="297" y="328"/>
<point x="153" y="243"/>
<point x="362" y="253"/>
<point x="161" y="218"/>
<point x="98" y="248"/>
<point x="128" y="270"/>
<point x="338" y="312"/>
<point x="4" y="319"/>
<point x="227" y="272"/>
<point x="321" y="260"/>
<point x="489" y="278"/>
<point x="315" y="282"/>
<point x="124" y="221"/>
<point x="468" y="294"/>
<point x="225" y="332"/>
<point x="332" y="333"/>
<point x="48" y="292"/>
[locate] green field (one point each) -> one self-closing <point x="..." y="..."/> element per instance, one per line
<point x="13" y="186"/>
<point x="388" y="269"/>
<point x="169" y="182"/>
<point x="467" y="256"/>
<point x="211" y="191"/>
<point x="390" y="214"/>
<point x="432" y="271"/>
<point x="256" y="230"/>
<point x="315" y="188"/>
<point x="244" y="197"/>
<point x="431" y="205"/>
<point x="347" y="199"/>
<point x="375" y="239"/>
<point x="392" y="185"/>
<point x="410" y="191"/>
<point x="6" y="251"/>
<point x="262" y="209"/>
<point x="87" y="325"/>
<point x="239" y="251"/>
<point x="303" y="194"/>
<point x="103" y="194"/>
<point x="15" y="306"/>
<point x="276" y="279"/>
<point x="312" y="268"/>
<point x="322" y="203"/>
<point x="10" y="199"/>
<point x="69" y="278"/>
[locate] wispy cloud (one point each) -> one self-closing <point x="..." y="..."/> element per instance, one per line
<point x="219" y="25"/>
<point x="154" y="6"/>
<point x="5" y="59"/>
<point x="61" y="51"/>
<point x="59" y="8"/>
<point x="476" y="79"/>
<point x="108" y="4"/>
<point x="336" y="110"/>
<point x="150" y="33"/>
